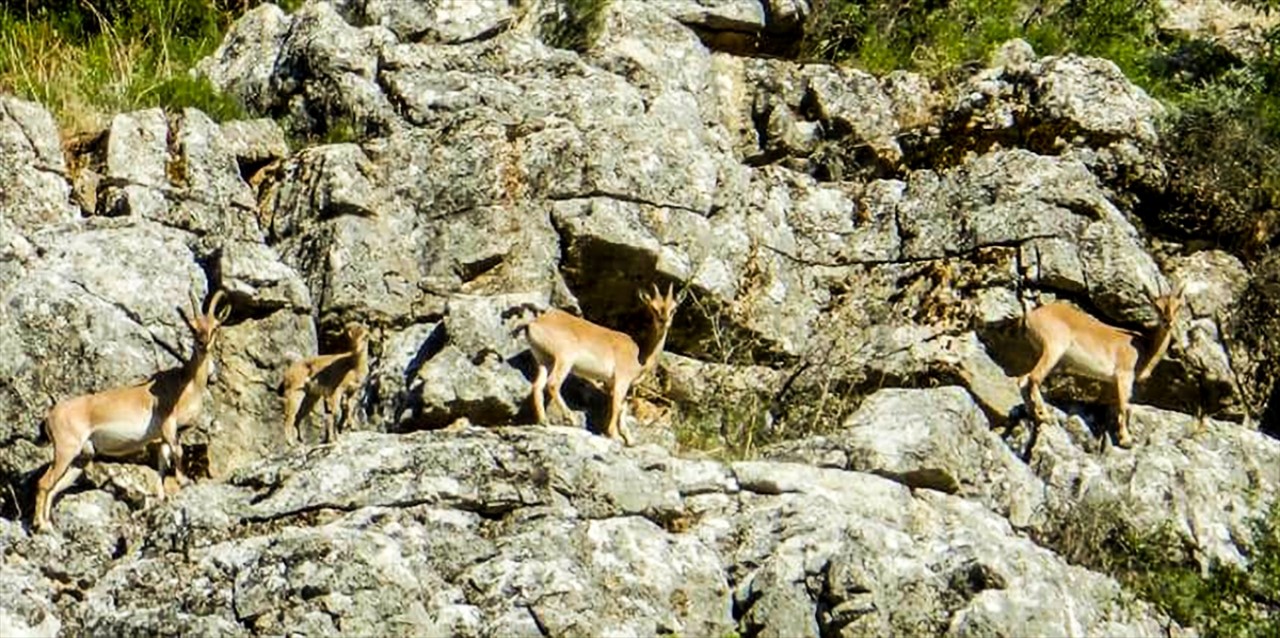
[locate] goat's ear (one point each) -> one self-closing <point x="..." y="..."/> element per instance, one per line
<point x="643" y="296"/>
<point x="186" y="318"/>
<point x="195" y="307"/>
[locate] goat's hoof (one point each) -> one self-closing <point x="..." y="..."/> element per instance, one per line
<point x="1124" y="441"/>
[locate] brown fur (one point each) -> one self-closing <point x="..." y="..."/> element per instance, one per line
<point x="1090" y="347"/>
<point x="124" y="421"/>
<point x="335" y="377"/>
<point x="562" y="344"/>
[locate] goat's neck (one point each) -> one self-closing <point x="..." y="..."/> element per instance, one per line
<point x="195" y="373"/>
<point x="1157" y="344"/>
<point x="653" y="345"/>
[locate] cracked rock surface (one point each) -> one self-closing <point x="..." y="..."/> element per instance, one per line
<point x="449" y="533"/>
<point x="856" y="253"/>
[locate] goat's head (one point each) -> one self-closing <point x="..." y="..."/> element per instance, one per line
<point x="662" y="308"/>
<point x="204" y="325"/>
<point x="1168" y="304"/>
<point x="357" y="336"/>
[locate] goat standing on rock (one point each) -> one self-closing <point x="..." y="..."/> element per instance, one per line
<point x="1097" y="350"/>
<point x="124" y="421"/>
<point x="336" y="377"/>
<point x="562" y="343"/>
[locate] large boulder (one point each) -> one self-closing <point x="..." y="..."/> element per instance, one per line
<point x="456" y="524"/>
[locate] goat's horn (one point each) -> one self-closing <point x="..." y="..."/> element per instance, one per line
<point x="213" y="304"/>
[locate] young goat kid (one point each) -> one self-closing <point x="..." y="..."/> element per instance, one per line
<point x="335" y="377"/>
<point x="125" y="421"/>
<point x="562" y="344"/>
<point x="1097" y="350"/>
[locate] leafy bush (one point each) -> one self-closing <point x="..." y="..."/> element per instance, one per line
<point x="938" y="37"/>
<point x="1159" y="567"/>
<point x="1228" y="601"/>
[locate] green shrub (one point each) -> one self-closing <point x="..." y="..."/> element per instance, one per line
<point x="938" y="37"/>
<point x="1158" y="566"/>
<point x="575" y="25"/>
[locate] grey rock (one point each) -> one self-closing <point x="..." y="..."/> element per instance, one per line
<point x="26" y="607"/>
<point x="254" y="142"/>
<point x="447" y="531"/>
<point x="33" y="169"/>
<point x="1042" y="198"/>
<point x="244" y="64"/>
<point x="447" y="21"/>
<point x="253" y="274"/>
<point x="935" y="439"/>
<point x="195" y="185"/>
<point x="244" y="419"/>
<point x="214" y="197"/>
<point x="1153" y="486"/>
<point x="470" y="367"/>
<point x="718" y="15"/>
<point x="1214" y="282"/>
<point x="324" y="74"/>
<point x="137" y="160"/>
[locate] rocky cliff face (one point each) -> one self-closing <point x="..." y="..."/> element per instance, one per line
<point x="857" y="253"/>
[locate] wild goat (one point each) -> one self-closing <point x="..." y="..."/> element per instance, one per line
<point x="1097" y="350"/>
<point x="562" y="343"/>
<point x="125" y="421"/>
<point x="335" y="377"/>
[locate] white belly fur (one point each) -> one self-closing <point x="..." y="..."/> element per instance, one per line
<point x="1087" y="363"/>
<point x="592" y="367"/>
<point x="118" y="438"/>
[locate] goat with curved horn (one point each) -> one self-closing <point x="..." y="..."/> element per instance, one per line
<point x="1097" y="350"/>
<point x="124" y="421"/>
<point x="562" y="344"/>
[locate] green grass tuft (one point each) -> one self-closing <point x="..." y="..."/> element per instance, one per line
<point x="88" y="60"/>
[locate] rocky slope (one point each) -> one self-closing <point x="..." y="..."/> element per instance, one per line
<point x="856" y="253"/>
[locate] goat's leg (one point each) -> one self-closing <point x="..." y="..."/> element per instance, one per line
<point x="1049" y="358"/>
<point x="617" y="407"/>
<point x="559" y="372"/>
<point x="538" y="396"/>
<point x="1124" y="391"/>
<point x="351" y="407"/>
<point x="331" y="403"/>
<point x="169" y="435"/>
<point x="293" y="397"/>
<point x="58" y="477"/>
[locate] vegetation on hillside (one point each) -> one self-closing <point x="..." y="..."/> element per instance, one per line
<point x="1224" y="129"/>
<point x="1160" y="567"/>
<point x="87" y="60"/>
